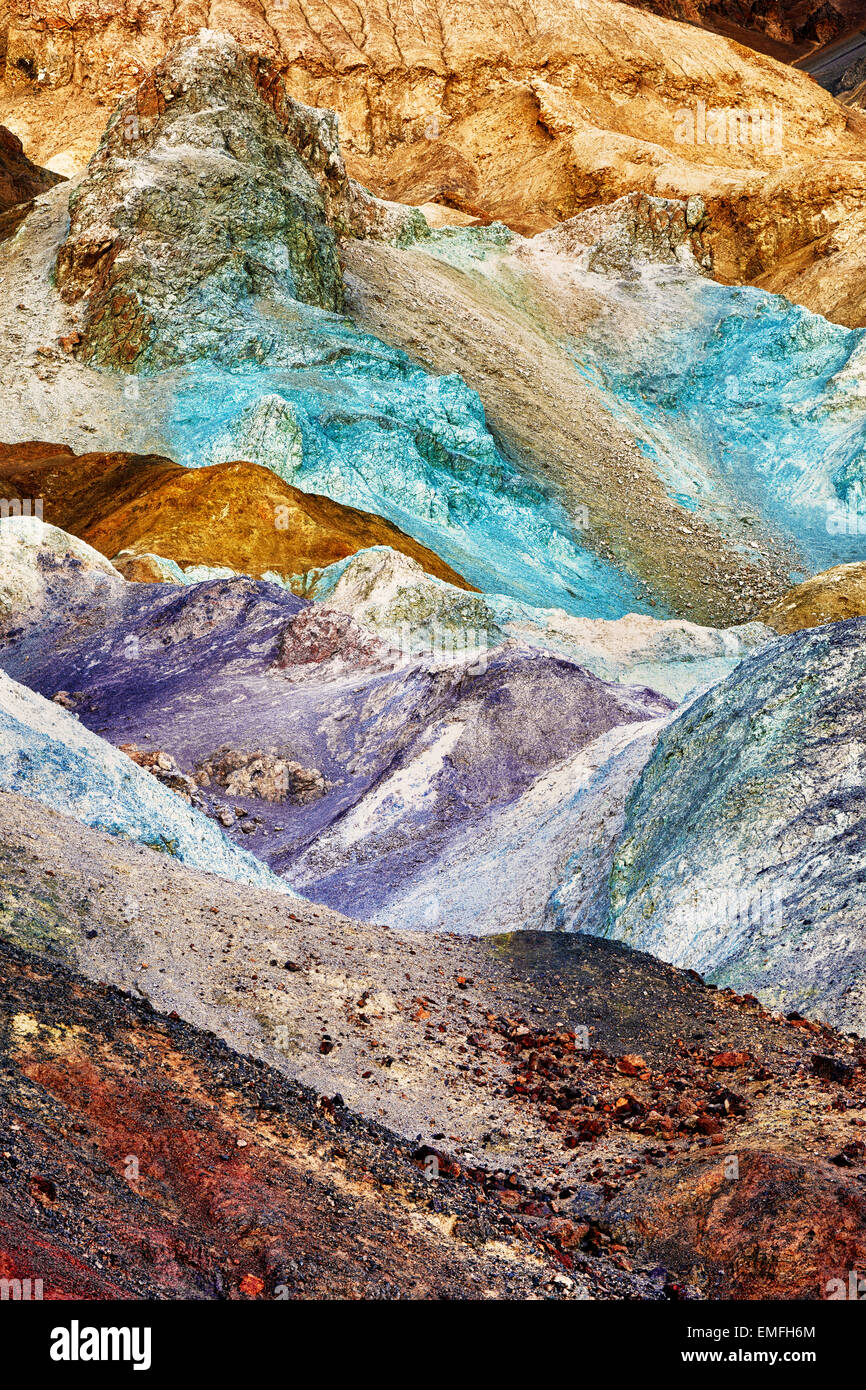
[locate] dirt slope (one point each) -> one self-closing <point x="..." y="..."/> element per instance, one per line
<point x="470" y="1049"/>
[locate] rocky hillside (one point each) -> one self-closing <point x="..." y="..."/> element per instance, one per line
<point x="482" y="783"/>
<point x="99" y="1183"/>
<point x="590" y="455"/>
<point x="734" y="875"/>
<point x="580" y="1103"/>
<point x="829" y="597"/>
<point x="234" y="514"/>
<point x="433" y="750"/>
<point x="784" y="29"/>
<point x="432" y="650"/>
<point x="528" y="119"/>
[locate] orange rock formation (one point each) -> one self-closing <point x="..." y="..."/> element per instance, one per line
<point x="234" y="514"/>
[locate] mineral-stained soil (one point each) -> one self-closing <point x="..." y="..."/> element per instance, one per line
<point x="238" y="515"/>
<point x="585" y="1089"/>
<point x="830" y="597"/>
<point x="578" y="394"/>
<point x="547" y="415"/>
<point x="528" y="114"/>
<point x="144" y="1159"/>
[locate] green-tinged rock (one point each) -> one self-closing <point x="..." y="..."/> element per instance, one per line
<point x="195" y="159"/>
<point x="744" y="848"/>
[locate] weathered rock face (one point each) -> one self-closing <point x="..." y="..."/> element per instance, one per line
<point x="345" y="416"/>
<point x="389" y="594"/>
<point x="830" y="597"/>
<point x="20" y="182"/>
<point x="460" y="797"/>
<point x="318" y="640"/>
<point x="210" y="154"/>
<point x="732" y="1230"/>
<point x="589" y="95"/>
<point x="194" y="158"/>
<point x="514" y="861"/>
<point x="743" y="853"/>
<point x="147" y="568"/>
<point x="260" y="774"/>
<point x="47" y="752"/>
<point x="40" y="563"/>
<point x="238" y="515"/>
<point x="636" y="230"/>
<point x="388" y="762"/>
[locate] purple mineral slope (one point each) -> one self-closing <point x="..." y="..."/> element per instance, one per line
<point x="283" y="718"/>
